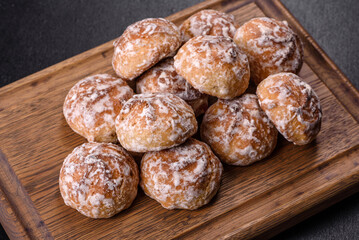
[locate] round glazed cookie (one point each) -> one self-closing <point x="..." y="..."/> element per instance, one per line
<point x="183" y="177"/>
<point x="92" y="105"/>
<point x="238" y="130"/>
<point x="99" y="179"/>
<point x="271" y="47"/>
<point x="292" y="106"/>
<point x="154" y="121"/>
<point x="164" y="78"/>
<point x="142" y="45"/>
<point x="213" y="65"/>
<point x="208" y="22"/>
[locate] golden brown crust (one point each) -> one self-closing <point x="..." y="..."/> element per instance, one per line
<point x="271" y="47"/>
<point x="183" y="177"/>
<point x="163" y="78"/>
<point x="99" y="179"/>
<point x="208" y="22"/>
<point x="155" y="121"/>
<point x="213" y="65"/>
<point x="142" y="45"/>
<point x="292" y="106"/>
<point x="92" y="105"/>
<point x="238" y="130"/>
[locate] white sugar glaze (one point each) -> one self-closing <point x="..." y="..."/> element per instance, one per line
<point x="271" y="46"/>
<point x="164" y="78"/>
<point x="149" y="40"/>
<point x="208" y="22"/>
<point x="159" y="117"/>
<point x="212" y="64"/>
<point x="283" y="105"/>
<point x="239" y="130"/>
<point x="280" y="40"/>
<point x="92" y="105"/>
<point x="176" y="176"/>
<point x="103" y="171"/>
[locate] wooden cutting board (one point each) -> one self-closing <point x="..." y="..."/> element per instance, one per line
<point x="256" y="201"/>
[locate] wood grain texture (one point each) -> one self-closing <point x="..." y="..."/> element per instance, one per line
<point x="23" y="208"/>
<point x="321" y="64"/>
<point x="7" y="217"/>
<point x="259" y="200"/>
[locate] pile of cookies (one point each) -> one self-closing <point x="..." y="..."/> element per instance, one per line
<point x="177" y="71"/>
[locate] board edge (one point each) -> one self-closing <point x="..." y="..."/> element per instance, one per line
<point x="335" y="193"/>
<point x="106" y="46"/>
<point x="19" y="204"/>
<point x="350" y="94"/>
<point x="13" y="228"/>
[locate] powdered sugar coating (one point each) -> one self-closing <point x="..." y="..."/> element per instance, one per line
<point x="213" y="65"/>
<point x="292" y="105"/>
<point x="208" y="22"/>
<point x="154" y="121"/>
<point x="271" y="47"/>
<point x="183" y="177"/>
<point x="98" y="179"/>
<point x="92" y="105"/>
<point x="164" y="78"/>
<point x="142" y="45"/>
<point x="238" y="130"/>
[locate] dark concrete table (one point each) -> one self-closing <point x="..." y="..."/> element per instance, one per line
<point x="38" y="34"/>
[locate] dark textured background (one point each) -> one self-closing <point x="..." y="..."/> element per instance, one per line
<point x="37" y="34"/>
